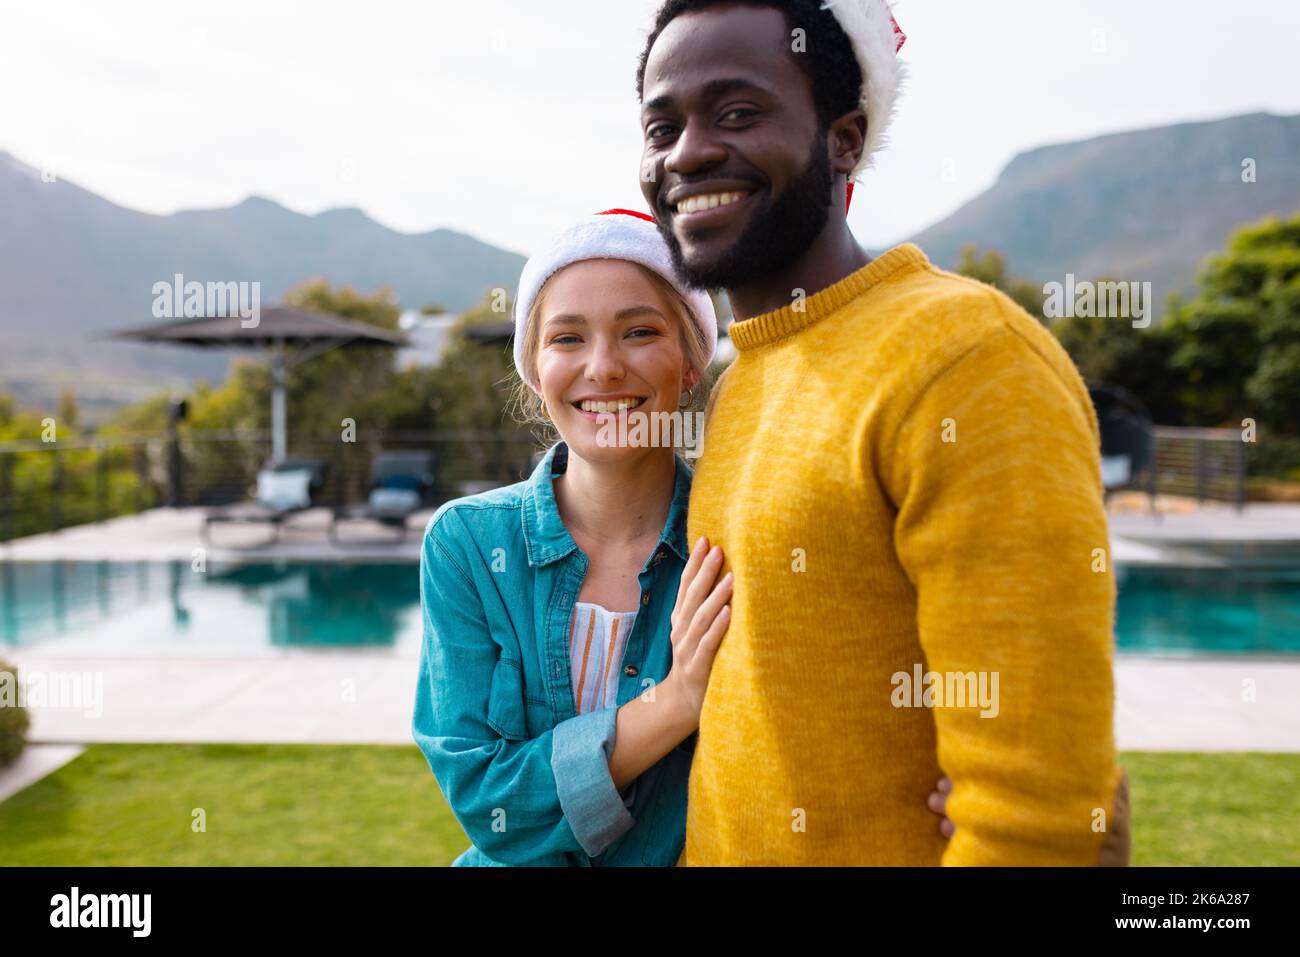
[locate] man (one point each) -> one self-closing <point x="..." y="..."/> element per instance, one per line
<point x="902" y="468"/>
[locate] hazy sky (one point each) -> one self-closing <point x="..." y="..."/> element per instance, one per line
<point x="507" y="119"/>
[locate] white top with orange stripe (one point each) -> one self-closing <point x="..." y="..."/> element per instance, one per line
<point x="596" y="645"/>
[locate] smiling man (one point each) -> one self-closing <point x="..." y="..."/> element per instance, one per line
<point x="902" y="468"/>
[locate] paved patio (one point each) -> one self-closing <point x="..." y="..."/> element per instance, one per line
<point x="1210" y="535"/>
<point x="172" y="534"/>
<point x="36" y="761"/>
<point x="305" y="696"/>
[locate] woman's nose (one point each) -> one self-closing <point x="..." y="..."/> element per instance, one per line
<point x="605" y="362"/>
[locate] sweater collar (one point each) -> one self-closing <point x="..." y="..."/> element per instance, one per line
<point x="788" y="320"/>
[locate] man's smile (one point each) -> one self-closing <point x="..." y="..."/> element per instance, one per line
<point x="711" y="209"/>
<point x="707" y="205"/>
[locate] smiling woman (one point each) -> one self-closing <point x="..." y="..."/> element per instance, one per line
<point x="555" y="608"/>
<point x="650" y="312"/>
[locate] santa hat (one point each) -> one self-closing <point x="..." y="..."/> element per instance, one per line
<point x="613" y="234"/>
<point x="876" y="39"/>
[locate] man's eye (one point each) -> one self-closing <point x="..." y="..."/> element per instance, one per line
<point x="659" y="129"/>
<point x="739" y="113"/>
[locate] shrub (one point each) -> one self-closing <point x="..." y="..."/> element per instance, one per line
<point x="14" y="720"/>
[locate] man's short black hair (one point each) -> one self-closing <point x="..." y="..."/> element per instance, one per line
<point x="828" y="60"/>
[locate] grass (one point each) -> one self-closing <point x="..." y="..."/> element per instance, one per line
<point x="1228" y="810"/>
<point x="126" y="804"/>
<point x="120" y="804"/>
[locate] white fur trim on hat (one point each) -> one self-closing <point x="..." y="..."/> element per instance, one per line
<point x="613" y="235"/>
<point x="872" y="31"/>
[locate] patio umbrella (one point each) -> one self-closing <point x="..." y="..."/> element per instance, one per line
<point x="290" y="336"/>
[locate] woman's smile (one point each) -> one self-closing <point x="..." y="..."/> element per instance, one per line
<point x="594" y="408"/>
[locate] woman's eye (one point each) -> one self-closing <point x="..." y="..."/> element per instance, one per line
<point x="564" y="340"/>
<point x="644" y="329"/>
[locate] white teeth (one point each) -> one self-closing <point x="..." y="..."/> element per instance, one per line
<point x="618" y="405"/>
<point x="695" y="204"/>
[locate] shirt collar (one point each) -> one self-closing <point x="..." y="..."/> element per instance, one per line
<point x="547" y="539"/>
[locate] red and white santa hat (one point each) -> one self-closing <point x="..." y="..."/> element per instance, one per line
<point x="613" y="234"/>
<point x="876" y="38"/>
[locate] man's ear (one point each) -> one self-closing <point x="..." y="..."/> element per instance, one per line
<point x="848" y="137"/>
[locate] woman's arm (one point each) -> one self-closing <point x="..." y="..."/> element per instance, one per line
<point x="517" y="798"/>
<point x="652" y="724"/>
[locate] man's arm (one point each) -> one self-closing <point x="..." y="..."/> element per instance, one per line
<point x="1001" y="528"/>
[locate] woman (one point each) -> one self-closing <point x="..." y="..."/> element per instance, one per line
<point x="569" y="629"/>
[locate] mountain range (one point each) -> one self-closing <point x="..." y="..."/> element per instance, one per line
<point x="1145" y="205"/>
<point x="74" y="266"/>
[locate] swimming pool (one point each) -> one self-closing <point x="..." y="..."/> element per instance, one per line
<point x="167" y="608"/>
<point x="147" y="608"/>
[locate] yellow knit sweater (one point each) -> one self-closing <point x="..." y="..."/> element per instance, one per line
<point x="904" y="475"/>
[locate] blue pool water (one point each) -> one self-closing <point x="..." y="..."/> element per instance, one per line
<point x="116" y="608"/>
<point x="113" y="608"/>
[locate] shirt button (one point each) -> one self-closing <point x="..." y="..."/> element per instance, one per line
<point x="645" y="599"/>
<point x="630" y="671"/>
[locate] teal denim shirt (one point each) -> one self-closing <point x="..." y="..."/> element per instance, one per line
<point x="527" y="777"/>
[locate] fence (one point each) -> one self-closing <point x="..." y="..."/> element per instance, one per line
<point x="1205" y="464"/>
<point x="49" y="486"/>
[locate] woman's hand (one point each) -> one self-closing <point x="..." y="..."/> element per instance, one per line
<point x="1114" y="849"/>
<point x="699" y="620"/>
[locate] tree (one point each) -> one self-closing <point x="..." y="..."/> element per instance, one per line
<point x="344" y="383"/>
<point x="991" y="269"/>
<point x="1113" y="352"/>
<point x="1238" y="338"/>
<point x="472" y="390"/>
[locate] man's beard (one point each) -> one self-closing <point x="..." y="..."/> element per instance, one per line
<point x="779" y="233"/>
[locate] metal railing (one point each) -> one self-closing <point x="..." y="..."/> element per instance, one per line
<point x="1205" y="464"/>
<point x="50" y="486"/>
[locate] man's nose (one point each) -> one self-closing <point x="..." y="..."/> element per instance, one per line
<point x="695" y="149"/>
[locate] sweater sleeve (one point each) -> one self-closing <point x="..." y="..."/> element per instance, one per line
<point x="1001" y="529"/>
<point x="518" y="798"/>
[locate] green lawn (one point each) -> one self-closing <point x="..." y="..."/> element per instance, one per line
<point x="332" y="805"/>
<point x="127" y="804"/>
<point x="1230" y="810"/>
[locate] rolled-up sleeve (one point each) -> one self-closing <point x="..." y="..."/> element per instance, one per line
<point x="580" y="759"/>
<point x="519" y="799"/>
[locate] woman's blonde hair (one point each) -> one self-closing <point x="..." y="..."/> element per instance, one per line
<point x="527" y="405"/>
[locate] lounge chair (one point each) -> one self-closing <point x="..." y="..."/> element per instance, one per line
<point x="401" y="484"/>
<point x="284" y="489"/>
<point x="1127" y="440"/>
